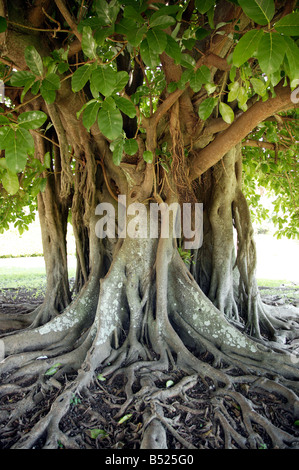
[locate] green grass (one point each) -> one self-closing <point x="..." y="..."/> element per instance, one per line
<point x="11" y="278"/>
<point x="274" y="283"/>
<point x="31" y="278"/>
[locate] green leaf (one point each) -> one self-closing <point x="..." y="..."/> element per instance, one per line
<point x="169" y="383"/>
<point x="118" y="152"/>
<point x="234" y="91"/>
<point x="49" y="86"/>
<point x="125" y="418"/>
<point x="131" y="146"/>
<point x="125" y="106"/>
<point x="27" y="87"/>
<point x="199" y="78"/>
<point x="3" y="163"/>
<point x="121" y="80"/>
<point x="288" y="25"/>
<point x="169" y="10"/>
<point x="90" y="114"/>
<point x="226" y="113"/>
<point x="270" y="52"/>
<point x="24" y="138"/>
<point x="89" y="45"/>
<point x="32" y="119"/>
<point x="149" y="57"/>
<point x="260" y="11"/>
<point x="47" y="160"/>
<point x="259" y="86"/>
<point x="16" y="157"/>
<point x="201" y="33"/>
<point x="51" y="82"/>
<point x="103" y="79"/>
<point x="206" y="108"/>
<point x="172" y="86"/>
<point x="35" y="87"/>
<point x="107" y="12"/>
<point x="296" y="423"/>
<point x="157" y="40"/>
<point x="246" y="47"/>
<point x="242" y="99"/>
<point x="204" y="5"/>
<point x="148" y="156"/>
<point x="53" y="369"/>
<point x="195" y="82"/>
<point x="3" y="120"/>
<point x="101" y="378"/>
<point x="187" y="61"/>
<point x="101" y="34"/>
<point x="62" y="67"/>
<point x="292" y="53"/>
<point x="21" y="78"/>
<point x="38" y="186"/>
<point x="204" y="73"/>
<point x="81" y="77"/>
<point x="163" y="21"/>
<point x="34" y="60"/>
<point x="173" y="49"/>
<point x="110" y="122"/>
<point x="210" y="15"/>
<point x="126" y="26"/>
<point x="130" y="12"/>
<point x="94" y="433"/>
<point x="3" y="24"/>
<point x="10" y="182"/>
<point x="48" y="95"/>
<point x="185" y="77"/>
<point x="136" y="36"/>
<point x="6" y="137"/>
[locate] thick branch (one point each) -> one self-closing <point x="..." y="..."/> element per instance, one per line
<point x="68" y="17"/>
<point x="238" y="130"/>
<point x="213" y="60"/>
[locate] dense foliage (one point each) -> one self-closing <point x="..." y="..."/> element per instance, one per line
<point x="136" y="32"/>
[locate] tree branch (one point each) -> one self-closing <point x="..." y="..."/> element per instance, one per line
<point x="213" y="60"/>
<point x="262" y="145"/>
<point x="68" y="17"/>
<point x="201" y="161"/>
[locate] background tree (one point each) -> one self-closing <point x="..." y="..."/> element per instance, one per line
<point x="151" y="101"/>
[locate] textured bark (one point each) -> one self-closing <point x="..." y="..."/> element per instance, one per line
<point x="146" y="318"/>
<point x="141" y="315"/>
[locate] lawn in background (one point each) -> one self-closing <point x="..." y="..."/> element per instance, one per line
<point x="22" y="264"/>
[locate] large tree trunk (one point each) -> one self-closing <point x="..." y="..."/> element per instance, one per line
<point x="145" y="320"/>
<point x="142" y="316"/>
<point x="226" y="268"/>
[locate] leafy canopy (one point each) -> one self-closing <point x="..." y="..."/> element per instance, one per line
<point x="259" y="57"/>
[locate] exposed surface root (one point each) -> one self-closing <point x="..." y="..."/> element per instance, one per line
<point x="152" y="368"/>
<point x="179" y="412"/>
<point x="147" y="403"/>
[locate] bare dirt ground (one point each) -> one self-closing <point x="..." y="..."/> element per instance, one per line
<point x="93" y="419"/>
